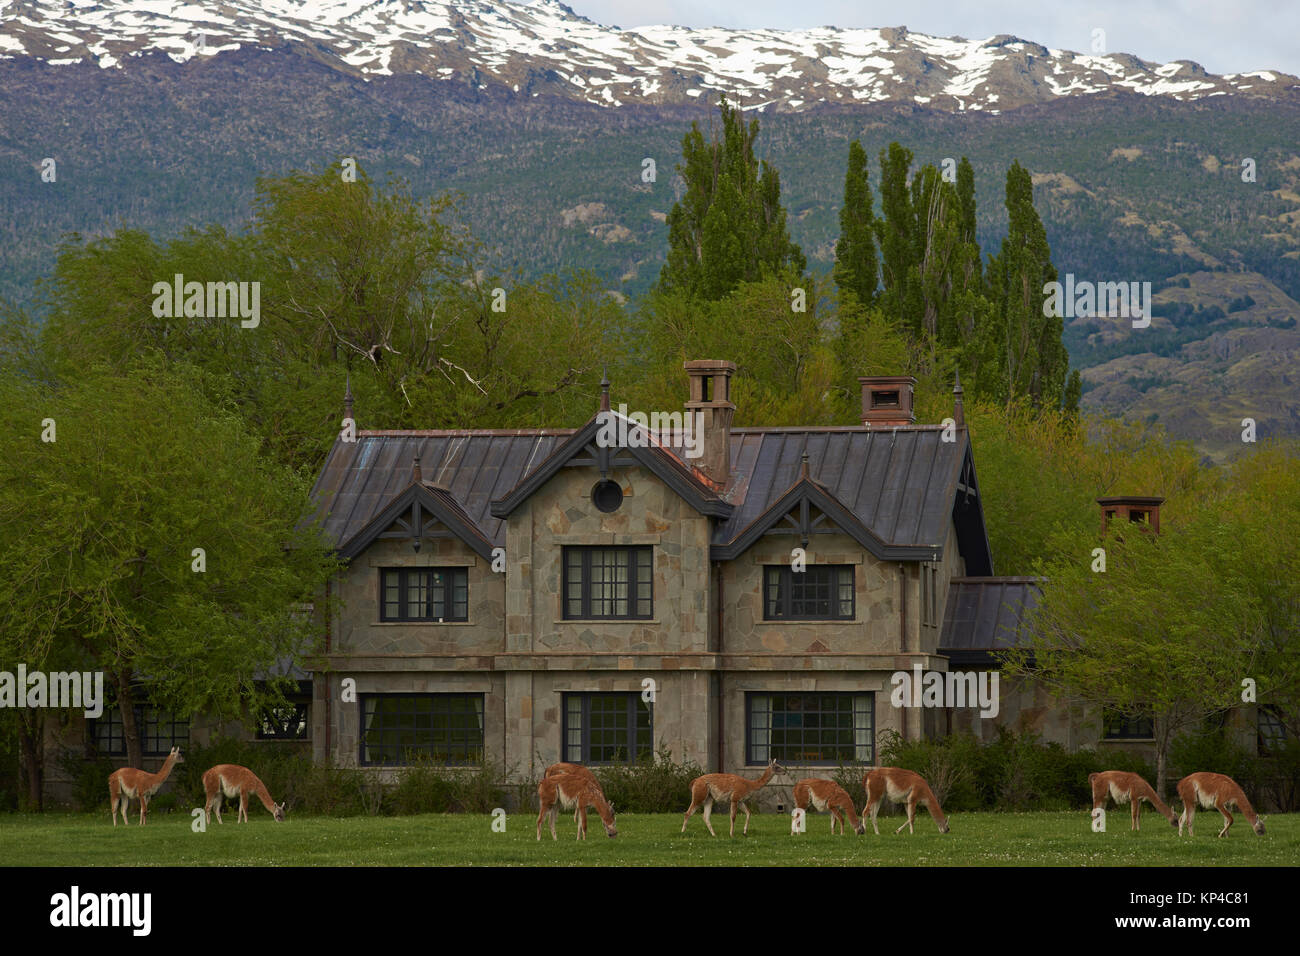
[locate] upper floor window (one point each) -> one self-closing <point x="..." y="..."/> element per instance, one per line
<point x="425" y="594"/>
<point x="608" y="582"/>
<point x="821" y="592"/>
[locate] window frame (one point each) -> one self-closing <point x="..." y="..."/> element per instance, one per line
<point x="1118" y="726"/>
<point x="455" y="576"/>
<point x="582" y="754"/>
<point x="146" y="715"/>
<point x="644" y="557"/>
<point x="786" y="578"/>
<point x="754" y="759"/>
<point x="474" y="758"/>
<point x="301" y="700"/>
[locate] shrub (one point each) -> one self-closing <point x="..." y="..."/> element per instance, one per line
<point x="655" y="784"/>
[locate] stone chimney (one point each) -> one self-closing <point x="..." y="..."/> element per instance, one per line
<point x="887" y="401"/>
<point x="711" y="411"/>
<point x="1130" y="508"/>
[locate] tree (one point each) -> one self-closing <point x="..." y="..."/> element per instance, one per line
<point x="153" y="541"/>
<point x="729" y="226"/>
<point x="855" y="269"/>
<point x="1031" y="360"/>
<point x="354" y="279"/>
<point x="900" y="299"/>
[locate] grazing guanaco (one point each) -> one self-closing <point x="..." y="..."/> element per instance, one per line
<point x="828" y="795"/>
<point x="232" y="780"/>
<point x="1214" y="791"/>
<point x="571" y="790"/>
<point x="1129" y="788"/>
<point x="901" y="786"/>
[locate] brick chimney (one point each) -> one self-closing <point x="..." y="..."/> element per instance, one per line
<point x="710" y="410"/>
<point x="887" y="401"/>
<point x="1130" y="508"/>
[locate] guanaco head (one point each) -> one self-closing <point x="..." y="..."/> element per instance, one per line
<point x="278" y="812"/>
<point x="861" y="828"/>
<point x="611" y="828"/>
<point x="1259" y="825"/>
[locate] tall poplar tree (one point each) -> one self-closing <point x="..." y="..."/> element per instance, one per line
<point x="730" y="226"/>
<point x="1032" y="361"/>
<point x="856" y="269"/>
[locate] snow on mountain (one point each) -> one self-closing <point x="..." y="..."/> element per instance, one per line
<point x="544" y="47"/>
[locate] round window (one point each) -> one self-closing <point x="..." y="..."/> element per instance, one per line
<point x="607" y="495"/>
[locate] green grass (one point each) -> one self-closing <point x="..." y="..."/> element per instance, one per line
<point x="976" y="839"/>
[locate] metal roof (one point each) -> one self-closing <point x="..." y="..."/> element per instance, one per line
<point x="984" y="615"/>
<point x="361" y="478"/>
<point x="902" y="484"/>
<point x="899" y="483"/>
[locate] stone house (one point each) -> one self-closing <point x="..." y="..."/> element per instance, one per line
<point x="539" y="595"/>
<point x="731" y="594"/>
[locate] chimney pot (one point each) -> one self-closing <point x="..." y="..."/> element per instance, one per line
<point x="887" y="401"/>
<point x="710" y="409"/>
<point x="1135" y="508"/>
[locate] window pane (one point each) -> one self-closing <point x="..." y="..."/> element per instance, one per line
<point x="811" y="728"/>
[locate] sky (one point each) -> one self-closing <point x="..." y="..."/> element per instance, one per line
<point x="1224" y="36"/>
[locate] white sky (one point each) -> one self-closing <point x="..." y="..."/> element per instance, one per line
<point x="1224" y="36"/>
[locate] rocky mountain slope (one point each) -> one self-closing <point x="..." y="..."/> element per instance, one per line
<point x="545" y="47"/>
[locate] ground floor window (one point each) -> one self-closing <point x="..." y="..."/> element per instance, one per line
<point x="1271" y="732"/>
<point x="821" y="728"/>
<point x="159" y="731"/>
<point x="607" y="728"/>
<point x="399" y="729"/>
<point x="1128" y="726"/>
<point x="290" y="722"/>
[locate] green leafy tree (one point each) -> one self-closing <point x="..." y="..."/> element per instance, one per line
<point x="1031" y="360"/>
<point x="900" y="298"/>
<point x="729" y="227"/>
<point x="856" y="269"/>
<point x="98" y="531"/>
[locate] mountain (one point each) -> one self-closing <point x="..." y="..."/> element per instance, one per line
<point x="1132" y="185"/>
<point x="544" y="48"/>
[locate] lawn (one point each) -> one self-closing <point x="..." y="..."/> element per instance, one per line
<point x="976" y="839"/>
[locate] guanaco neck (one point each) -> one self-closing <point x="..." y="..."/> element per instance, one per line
<point x="762" y="781"/>
<point x="265" y="796"/>
<point x="166" y="770"/>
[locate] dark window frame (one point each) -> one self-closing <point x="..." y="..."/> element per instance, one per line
<point x="300" y="700"/>
<point x="644" y="557"/>
<point x="786" y="579"/>
<point x="1117" y="726"/>
<point x="109" y="729"/>
<point x="581" y="752"/>
<point x="472" y="756"/>
<point x="1271" y="733"/>
<point x="457" y="579"/>
<point x="754" y="758"/>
